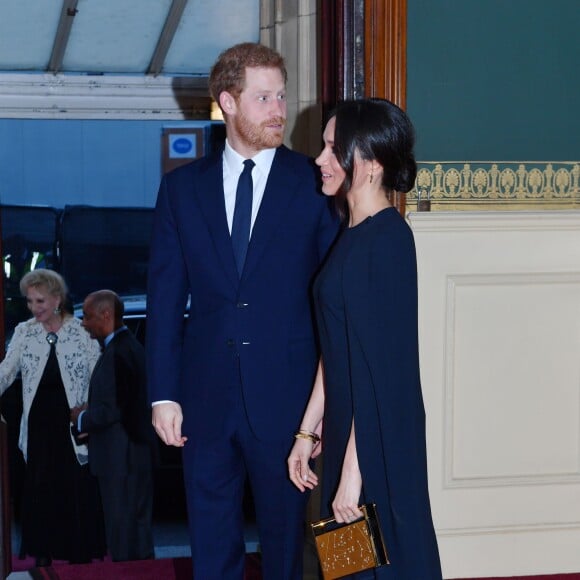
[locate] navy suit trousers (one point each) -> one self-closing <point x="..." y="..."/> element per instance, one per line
<point x="215" y="471"/>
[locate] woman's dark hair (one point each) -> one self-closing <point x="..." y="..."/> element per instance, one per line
<point x="380" y="130"/>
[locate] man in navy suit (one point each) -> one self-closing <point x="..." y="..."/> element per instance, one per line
<point x="121" y="439"/>
<point x="230" y="384"/>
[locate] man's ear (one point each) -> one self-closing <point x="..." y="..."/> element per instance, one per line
<point x="227" y="103"/>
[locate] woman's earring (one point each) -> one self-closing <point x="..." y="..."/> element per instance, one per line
<point x="371" y="178"/>
<point x="57" y="310"/>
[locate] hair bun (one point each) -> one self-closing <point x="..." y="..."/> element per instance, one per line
<point x="406" y="175"/>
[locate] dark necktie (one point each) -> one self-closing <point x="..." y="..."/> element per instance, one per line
<point x="243" y="215"/>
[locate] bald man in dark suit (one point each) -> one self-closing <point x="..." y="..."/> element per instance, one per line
<point x="117" y="421"/>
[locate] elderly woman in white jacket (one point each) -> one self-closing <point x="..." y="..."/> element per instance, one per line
<point x="61" y="514"/>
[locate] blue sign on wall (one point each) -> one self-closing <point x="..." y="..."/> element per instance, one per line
<point x="182" y="146"/>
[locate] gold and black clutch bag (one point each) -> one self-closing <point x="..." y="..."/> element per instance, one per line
<point x="345" y="549"/>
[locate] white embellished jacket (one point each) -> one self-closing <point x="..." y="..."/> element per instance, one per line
<point x="28" y="351"/>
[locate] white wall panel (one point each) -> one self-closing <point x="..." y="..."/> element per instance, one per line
<point x="513" y="361"/>
<point x="499" y="315"/>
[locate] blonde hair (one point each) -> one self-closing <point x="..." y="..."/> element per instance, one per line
<point x="51" y="281"/>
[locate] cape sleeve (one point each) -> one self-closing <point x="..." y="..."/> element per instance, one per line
<point x="387" y="401"/>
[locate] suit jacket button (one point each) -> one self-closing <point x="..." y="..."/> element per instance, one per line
<point x="241" y="305"/>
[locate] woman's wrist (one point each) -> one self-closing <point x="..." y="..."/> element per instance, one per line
<point x="308" y="435"/>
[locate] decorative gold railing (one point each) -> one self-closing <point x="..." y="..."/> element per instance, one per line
<point x="496" y="185"/>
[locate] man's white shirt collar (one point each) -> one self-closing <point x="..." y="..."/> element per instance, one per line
<point x="235" y="162"/>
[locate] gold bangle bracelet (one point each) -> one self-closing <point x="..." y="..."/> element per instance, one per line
<point x="311" y="433"/>
<point x="307" y="435"/>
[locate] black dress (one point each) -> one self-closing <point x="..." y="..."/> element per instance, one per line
<point x="366" y="303"/>
<point x="61" y="514"/>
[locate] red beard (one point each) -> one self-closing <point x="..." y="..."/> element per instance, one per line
<point x="260" y="136"/>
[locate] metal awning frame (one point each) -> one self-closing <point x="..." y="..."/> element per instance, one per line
<point x="68" y="12"/>
<point x="166" y="37"/>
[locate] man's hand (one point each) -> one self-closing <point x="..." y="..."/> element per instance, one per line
<point x="167" y="419"/>
<point x="75" y="412"/>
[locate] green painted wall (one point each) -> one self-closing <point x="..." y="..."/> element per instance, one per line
<point x="494" y="79"/>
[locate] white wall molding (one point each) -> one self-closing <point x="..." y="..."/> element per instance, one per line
<point x="47" y="96"/>
<point x="436" y="221"/>
<point x="510" y="529"/>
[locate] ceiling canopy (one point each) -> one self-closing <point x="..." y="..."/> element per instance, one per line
<point x="124" y="37"/>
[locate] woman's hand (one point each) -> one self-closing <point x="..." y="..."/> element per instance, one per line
<point x="308" y="448"/>
<point x="345" y="503"/>
<point x="298" y="465"/>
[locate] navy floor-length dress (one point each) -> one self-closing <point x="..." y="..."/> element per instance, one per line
<point x="366" y="302"/>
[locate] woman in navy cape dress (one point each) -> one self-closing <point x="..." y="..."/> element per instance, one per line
<point x="367" y="398"/>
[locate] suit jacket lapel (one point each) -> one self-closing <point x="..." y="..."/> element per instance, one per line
<point x="279" y="192"/>
<point x="210" y="196"/>
<point x="103" y="359"/>
<point x="95" y="375"/>
<point x="99" y="362"/>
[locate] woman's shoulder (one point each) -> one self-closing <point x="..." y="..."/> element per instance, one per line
<point x="75" y="335"/>
<point x="391" y="228"/>
<point x="27" y="327"/>
<point x="71" y="320"/>
<point x="72" y="326"/>
<point x="393" y="217"/>
<point x="25" y="333"/>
